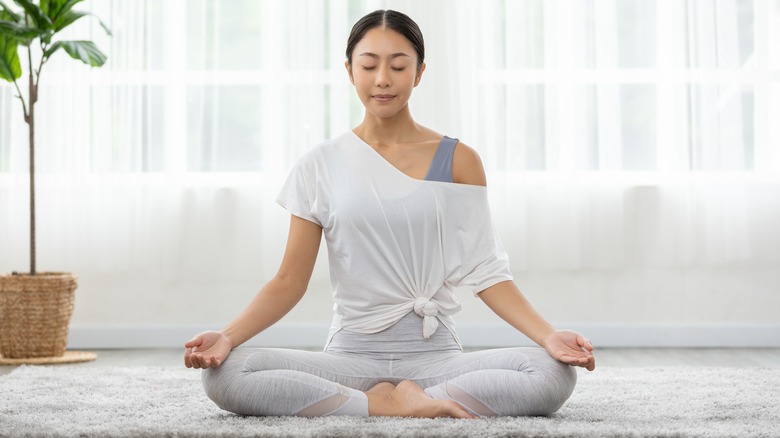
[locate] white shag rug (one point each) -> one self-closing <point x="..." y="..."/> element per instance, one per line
<point x="51" y="401"/>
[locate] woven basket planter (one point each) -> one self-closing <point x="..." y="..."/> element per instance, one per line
<point x="35" y="313"/>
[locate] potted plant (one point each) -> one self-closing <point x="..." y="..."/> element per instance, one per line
<point x="35" y="307"/>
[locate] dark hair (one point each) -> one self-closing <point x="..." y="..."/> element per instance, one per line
<point x="391" y="19"/>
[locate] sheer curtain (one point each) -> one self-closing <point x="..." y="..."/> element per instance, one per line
<point x="618" y="135"/>
<point x="586" y="109"/>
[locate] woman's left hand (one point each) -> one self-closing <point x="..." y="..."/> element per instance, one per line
<point x="570" y="348"/>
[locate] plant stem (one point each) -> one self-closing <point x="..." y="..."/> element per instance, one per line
<point x="24" y="105"/>
<point x="40" y="66"/>
<point x="31" y="123"/>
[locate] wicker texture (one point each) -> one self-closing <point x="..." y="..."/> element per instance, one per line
<point x="68" y="357"/>
<point x="35" y="313"/>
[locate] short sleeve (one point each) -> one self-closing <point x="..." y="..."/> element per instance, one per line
<point x="298" y="194"/>
<point x="474" y="255"/>
<point x="488" y="266"/>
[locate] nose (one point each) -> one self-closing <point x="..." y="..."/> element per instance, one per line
<point x="382" y="78"/>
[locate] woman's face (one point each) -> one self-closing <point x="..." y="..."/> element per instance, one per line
<point x="384" y="71"/>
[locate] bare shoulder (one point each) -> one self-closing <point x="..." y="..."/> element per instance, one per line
<point x="429" y="134"/>
<point x="467" y="166"/>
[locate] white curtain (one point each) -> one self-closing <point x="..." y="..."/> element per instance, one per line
<point x="590" y="112"/>
<point x="617" y="135"/>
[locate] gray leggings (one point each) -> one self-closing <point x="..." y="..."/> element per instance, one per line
<point x="275" y="381"/>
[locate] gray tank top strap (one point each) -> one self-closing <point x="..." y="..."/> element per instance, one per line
<point x="441" y="167"/>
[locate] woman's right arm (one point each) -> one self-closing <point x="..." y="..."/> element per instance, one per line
<point x="275" y="299"/>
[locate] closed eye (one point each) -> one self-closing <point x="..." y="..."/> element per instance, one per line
<point x="394" y="68"/>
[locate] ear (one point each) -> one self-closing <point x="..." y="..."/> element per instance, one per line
<point x="349" y="71"/>
<point x="419" y="74"/>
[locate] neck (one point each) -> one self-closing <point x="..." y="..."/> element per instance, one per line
<point x="400" y="128"/>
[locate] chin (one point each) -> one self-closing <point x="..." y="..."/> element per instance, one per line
<point x="384" y="114"/>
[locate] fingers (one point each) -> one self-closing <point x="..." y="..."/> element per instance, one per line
<point x="590" y="365"/>
<point x="587" y="362"/>
<point x="215" y="362"/>
<point x="198" y="360"/>
<point x="193" y="359"/>
<point x="194" y="342"/>
<point x="188" y="358"/>
<point x="583" y="342"/>
<point x="573" y="360"/>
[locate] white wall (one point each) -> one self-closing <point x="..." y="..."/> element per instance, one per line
<point x="173" y="256"/>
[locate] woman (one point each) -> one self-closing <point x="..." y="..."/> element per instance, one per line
<point x="405" y="215"/>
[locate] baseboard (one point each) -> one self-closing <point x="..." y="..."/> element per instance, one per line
<point x="472" y="335"/>
<point x="639" y="336"/>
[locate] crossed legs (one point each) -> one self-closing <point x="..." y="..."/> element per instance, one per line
<point x="271" y="381"/>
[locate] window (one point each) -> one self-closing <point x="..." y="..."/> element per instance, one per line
<point x="248" y="86"/>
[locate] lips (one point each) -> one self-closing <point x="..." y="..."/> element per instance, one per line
<point x="383" y="97"/>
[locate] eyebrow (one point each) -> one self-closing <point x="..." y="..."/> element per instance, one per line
<point x="374" y="55"/>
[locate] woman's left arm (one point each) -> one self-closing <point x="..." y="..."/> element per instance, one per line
<point x="506" y="300"/>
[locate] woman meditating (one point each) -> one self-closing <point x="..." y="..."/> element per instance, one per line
<point x="405" y="215"/>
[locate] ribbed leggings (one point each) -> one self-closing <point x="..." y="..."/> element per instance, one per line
<point x="274" y="381"/>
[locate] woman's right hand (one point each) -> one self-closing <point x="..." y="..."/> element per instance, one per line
<point x="207" y="350"/>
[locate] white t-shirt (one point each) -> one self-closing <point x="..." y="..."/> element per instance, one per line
<point x="395" y="243"/>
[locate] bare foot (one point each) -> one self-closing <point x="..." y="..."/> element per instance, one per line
<point x="409" y="400"/>
<point x="382" y="388"/>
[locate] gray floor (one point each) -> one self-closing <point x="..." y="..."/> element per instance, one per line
<point x="615" y="357"/>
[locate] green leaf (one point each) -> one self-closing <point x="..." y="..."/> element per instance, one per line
<point x="103" y="25"/>
<point x="18" y="32"/>
<point x="46" y="36"/>
<point x="40" y="20"/>
<point x="11" y="14"/>
<point x="56" y="8"/>
<point x="10" y="68"/>
<point x="69" y="17"/>
<point x="66" y="19"/>
<point x="85" y="51"/>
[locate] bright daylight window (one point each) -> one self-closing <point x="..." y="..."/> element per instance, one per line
<point x="247" y="85"/>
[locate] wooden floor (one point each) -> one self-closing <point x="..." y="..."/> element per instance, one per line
<point x="613" y="357"/>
